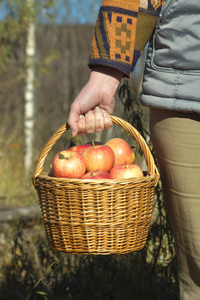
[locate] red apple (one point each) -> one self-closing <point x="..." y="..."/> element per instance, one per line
<point x="68" y="164"/>
<point x="122" y="150"/>
<point x="124" y="171"/>
<point x="79" y="148"/>
<point x="100" y="157"/>
<point x="97" y="175"/>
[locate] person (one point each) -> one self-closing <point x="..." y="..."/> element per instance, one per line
<point x="171" y="88"/>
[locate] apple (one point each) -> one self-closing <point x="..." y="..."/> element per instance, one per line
<point x="122" y="150"/>
<point x="68" y="164"/>
<point x="79" y="148"/>
<point x="98" y="174"/>
<point x="124" y="171"/>
<point x="99" y="157"/>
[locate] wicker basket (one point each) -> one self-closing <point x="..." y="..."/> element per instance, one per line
<point x="96" y="216"/>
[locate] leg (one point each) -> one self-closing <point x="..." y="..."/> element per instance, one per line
<point x="176" y="140"/>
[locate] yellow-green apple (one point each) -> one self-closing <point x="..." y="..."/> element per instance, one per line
<point x="79" y="148"/>
<point x="122" y="150"/>
<point x="68" y="164"/>
<point x="97" y="175"/>
<point x="100" y="157"/>
<point x="124" y="171"/>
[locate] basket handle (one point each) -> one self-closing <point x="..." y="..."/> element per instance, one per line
<point x="128" y="127"/>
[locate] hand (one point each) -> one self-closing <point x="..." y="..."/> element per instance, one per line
<point x="90" y="110"/>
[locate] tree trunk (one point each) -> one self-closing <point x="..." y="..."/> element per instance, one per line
<point x="29" y="92"/>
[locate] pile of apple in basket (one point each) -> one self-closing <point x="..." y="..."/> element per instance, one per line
<point x="112" y="160"/>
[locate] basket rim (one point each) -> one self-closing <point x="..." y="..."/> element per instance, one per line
<point x="100" y="181"/>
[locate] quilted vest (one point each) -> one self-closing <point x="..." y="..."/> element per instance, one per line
<point x="172" y="69"/>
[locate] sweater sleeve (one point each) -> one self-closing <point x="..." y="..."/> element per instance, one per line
<point x="122" y="30"/>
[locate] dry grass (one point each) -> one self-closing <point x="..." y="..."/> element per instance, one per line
<point x="15" y="185"/>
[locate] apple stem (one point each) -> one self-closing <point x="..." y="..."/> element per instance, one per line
<point x="93" y="143"/>
<point x="125" y="164"/>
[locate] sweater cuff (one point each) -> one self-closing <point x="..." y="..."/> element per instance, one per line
<point x="127" y="69"/>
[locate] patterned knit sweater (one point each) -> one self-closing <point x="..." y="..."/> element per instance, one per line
<point x="122" y="30"/>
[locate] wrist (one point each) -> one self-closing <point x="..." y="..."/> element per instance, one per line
<point x="116" y="73"/>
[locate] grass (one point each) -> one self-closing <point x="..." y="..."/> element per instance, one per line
<point x="15" y="186"/>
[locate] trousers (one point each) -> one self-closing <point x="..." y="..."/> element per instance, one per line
<point x="176" y="141"/>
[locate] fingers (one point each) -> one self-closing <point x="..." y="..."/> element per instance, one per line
<point x="94" y="121"/>
<point x="89" y="122"/>
<point x="99" y="121"/>
<point x="107" y="121"/>
<point x="81" y="125"/>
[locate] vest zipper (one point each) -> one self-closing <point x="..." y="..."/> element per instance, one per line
<point x="166" y="6"/>
<point x="152" y="46"/>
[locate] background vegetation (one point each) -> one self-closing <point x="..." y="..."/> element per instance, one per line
<point x="29" y="268"/>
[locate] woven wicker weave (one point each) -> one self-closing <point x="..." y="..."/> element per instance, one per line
<point x="96" y="216"/>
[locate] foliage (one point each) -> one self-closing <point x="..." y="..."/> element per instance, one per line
<point x="13" y="31"/>
<point x="38" y="272"/>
